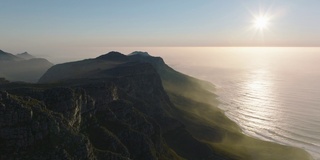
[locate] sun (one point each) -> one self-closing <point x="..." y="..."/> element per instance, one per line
<point x="261" y="22"/>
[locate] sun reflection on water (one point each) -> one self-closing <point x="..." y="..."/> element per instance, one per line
<point x="255" y="107"/>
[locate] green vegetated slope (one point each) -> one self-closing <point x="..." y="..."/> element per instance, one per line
<point x="196" y="107"/>
<point x="123" y="107"/>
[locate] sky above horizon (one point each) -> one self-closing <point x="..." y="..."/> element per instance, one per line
<point x="75" y="25"/>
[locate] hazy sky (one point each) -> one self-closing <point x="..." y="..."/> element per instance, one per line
<point x="73" y="25"/>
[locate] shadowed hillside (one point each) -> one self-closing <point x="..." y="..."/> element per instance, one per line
<point x="123" y="107"/>
<point x="196" y="107"/>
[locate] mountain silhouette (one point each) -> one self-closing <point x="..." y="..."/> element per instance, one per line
<point x="123" y="107"/>
<point x="22" y="67"/>
<point x="139" y="53"/>
<point x="25" y="55"/>
<point x="4" y="56"/>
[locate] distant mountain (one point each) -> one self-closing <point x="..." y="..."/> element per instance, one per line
<point x="139" y="53"/>
<point x="4" y="56"/>
<point x="25" y="55"/>
<point x="113" y="56"/>
<point x="22" y="67"/>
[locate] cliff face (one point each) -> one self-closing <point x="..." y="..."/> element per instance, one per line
<point x="68" y="123"/>
<point x="121" y="107"/>
<point x="30" y="131"/>
<point x="119" y="113"/>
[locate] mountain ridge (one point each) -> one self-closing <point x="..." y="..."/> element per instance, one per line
<point x="25" y="55"/>
<point x="5" y="56"/>
<point x="141" y="53"/>
<point x="22" y="67"/>
<point x="125" y="108"/>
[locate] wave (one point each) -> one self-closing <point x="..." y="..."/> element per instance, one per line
<point x="287" y="119"/>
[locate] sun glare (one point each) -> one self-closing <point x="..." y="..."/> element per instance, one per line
<point x="261" y="22"/>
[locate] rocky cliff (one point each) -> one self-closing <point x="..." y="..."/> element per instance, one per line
<point x="117" y="113"/>
<point x="121" y="107"/>
<point x="87" y="121"/>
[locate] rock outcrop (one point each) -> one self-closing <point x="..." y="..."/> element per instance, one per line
<point x="121" y="107"/>
<point x="30" y="131"/>
<point x="120" y="114"/>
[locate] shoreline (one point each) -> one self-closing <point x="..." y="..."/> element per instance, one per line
<point x="261" y="136"/>
<point x="189" y="104"/>
<point x="220" y="78"/>
<point x="231" y="129"/>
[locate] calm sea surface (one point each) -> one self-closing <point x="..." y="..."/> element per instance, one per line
<point x="272" y="93"/>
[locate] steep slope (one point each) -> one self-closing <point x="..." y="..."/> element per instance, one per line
<point x="23" y="67"/>
<point x="121" y="112"/>
<point x="128" y="113"/>
<point x="30" y="131"/>
<point x="83" y="69"/>
<point x="196" y="107"/>
<point x="97" y="119"/>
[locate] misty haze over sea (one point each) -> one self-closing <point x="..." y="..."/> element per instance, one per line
<point x="272" y="93"/>
<point x="169" y="80"/>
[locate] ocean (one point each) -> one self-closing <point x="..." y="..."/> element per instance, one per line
<point x="272" y="93"/>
